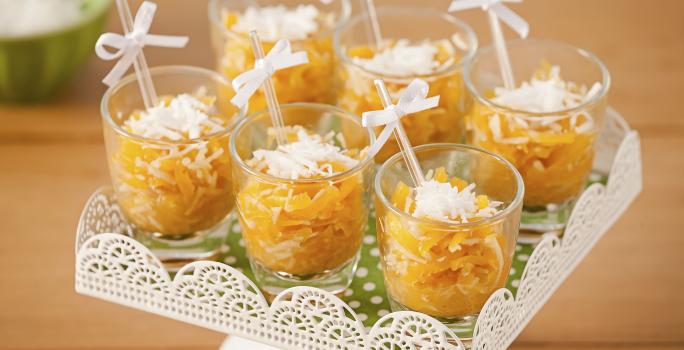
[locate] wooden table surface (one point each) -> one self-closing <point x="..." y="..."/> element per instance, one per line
<point x="628" y="293"/>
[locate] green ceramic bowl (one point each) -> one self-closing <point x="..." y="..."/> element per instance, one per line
<point x="34" y="68"/>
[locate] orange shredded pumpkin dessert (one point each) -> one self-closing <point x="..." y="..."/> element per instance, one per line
<point x="398" y="63"/>
<point x="306" y="27"/>
<point x="552" y="152"/>
<point x="303" y="220"/>
<point x="174" y="179"/>
<point x="448" y="264"/>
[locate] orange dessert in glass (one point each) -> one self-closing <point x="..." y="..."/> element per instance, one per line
<point x="436" y="56"/>
<point x="309" y="27"/>
<point x="447" y="244"/>
<point x="169" y="164"/>
<point x="303" y="205"/>
<point x="545" y="126"/>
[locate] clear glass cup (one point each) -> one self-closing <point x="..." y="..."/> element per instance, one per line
<point x="356" y="92"/>
<point x="553" y="151"/>
<point x="179" y="207"/>
<point x="304" y="231"/>
<point x="304" y="83"/>
<point x="447" y="270"/>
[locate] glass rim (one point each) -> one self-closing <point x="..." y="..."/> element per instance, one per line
<point x="515" y="203"/>
<point x="161" y="70"/>
<point x="215" y="20"/>
<point x="238" y="161"/>
<point x="408" y="10"/>
<point x="605" y="78"/>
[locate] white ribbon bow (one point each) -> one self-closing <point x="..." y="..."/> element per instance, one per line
<point x="280" y="57"/>
<point x="505" y="14"/>
<point x="129" y="46"/>
<point x="411" y="101"/>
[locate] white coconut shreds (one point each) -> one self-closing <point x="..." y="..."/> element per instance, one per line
<point x="545" y="95"/>
<point x="184" y="117"/>
<point x="309" y="156"/>
<point x="279" y="22"/>
<point x="444" y="202"/>
<point x="405" y="59"/>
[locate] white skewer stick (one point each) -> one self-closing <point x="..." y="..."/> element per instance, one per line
<point x="496" y="11"/>
<point x="501" y="51"/>
<point x="374" y="23"/>
<point x="269" y="92"/>
<point x="402" y="139"/>
<point x="147" y="90"/>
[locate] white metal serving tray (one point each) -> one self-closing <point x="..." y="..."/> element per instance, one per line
<point x="112" y="266"/>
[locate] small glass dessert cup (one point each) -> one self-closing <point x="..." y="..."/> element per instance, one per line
<point x="546" y="126"/>
<point x="419" y="43"/>
<point x="307" y="24"/>
<point x="434" y="261"/>
<point x="169" y="165"/>
<point x="303" y="206"/>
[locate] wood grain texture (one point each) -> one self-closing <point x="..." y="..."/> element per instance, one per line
<point x="627" y="294"/>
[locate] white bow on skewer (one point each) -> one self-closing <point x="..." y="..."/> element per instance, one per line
<point x="505" y="14"/>
<point x="414" y="99"/>
<point x="130" y="45"/>
<point x="280" y="57"/>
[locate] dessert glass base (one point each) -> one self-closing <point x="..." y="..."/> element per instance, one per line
<point x="542" y="219"/>
<point x="463" y="327"/>
<point x="334" y="280"/>
<point x="538" y="222"/>
<point x="176" y="251"/>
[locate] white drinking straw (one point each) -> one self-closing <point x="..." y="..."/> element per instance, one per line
<point x="129" y="47"/>
<point x="501" y="51"/>
<point x="147" y="90"/>
<point x="402" y="139"/>
<point x="496" y="11"/>
<point x="269" y="92"/>
<point x="413" y="99"/>
<point x="369" y="5"/>
<point x="247" y="83"/>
